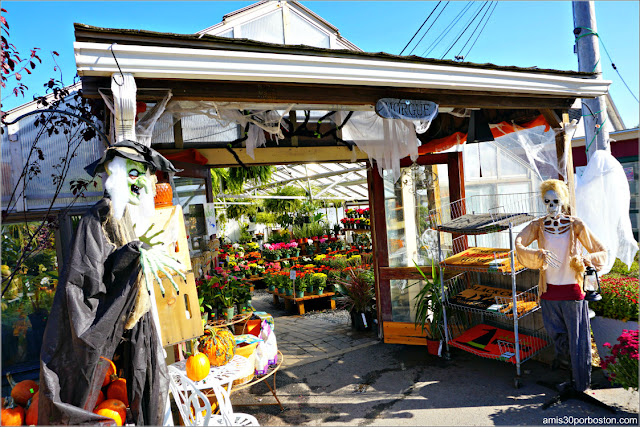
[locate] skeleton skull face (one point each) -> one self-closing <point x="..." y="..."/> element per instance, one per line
<point x="553" y="203"/>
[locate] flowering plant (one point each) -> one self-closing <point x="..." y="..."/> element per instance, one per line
<point x="622" y="364"/>
<point x="319" y="280"/>
<point x="619" y="298"/>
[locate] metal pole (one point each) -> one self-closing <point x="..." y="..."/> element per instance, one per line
<point x="594" y="111"/>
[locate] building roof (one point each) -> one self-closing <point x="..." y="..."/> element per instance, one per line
<point x="88" y="33"/>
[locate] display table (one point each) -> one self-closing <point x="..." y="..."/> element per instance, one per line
<point x="299" y="302"/>
<point x="272" y="387"/>
<point x="225" y="375"/>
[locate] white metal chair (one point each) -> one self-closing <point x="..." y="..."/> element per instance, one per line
<point x="187" y="396"/>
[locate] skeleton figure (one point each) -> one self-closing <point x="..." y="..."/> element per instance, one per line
<point x="561" y="261"/>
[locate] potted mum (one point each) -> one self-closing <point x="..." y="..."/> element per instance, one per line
<point x="617" y="311"/>
<point x="319" y="282"/>
<point x="621" y="365"/>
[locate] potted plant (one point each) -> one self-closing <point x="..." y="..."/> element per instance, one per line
<point x="223" y="293"/>
<point x="319" y="282"/>
<point x="621" y="365"/>
<point x="428" y="308"/>
<point x="617" y="311"/>
<point x="360" y="296"/>
<point x="301" y="284"/>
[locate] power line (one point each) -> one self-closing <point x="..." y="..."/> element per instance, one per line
<point x="447" y="29"/>
<point x="477" y="13"/>
<point x="485" y="24"/>
<point x="616" y="70"/>
<point x="416" y="33"/>
<point x="430" y="26"/>
<point x="475" y="29"/>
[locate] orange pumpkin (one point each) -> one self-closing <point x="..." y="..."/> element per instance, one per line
<point x="110" y="371"/>
<point x="197" y="366"/>
<point x="23" y="391"/>
<point x="12" y="416"/>
<point x="100" y="398"/>
<point x="118" y="390"/>
<point x="113" y="408"/>
<point x="32" y="413"/>
<point x="219" y="345"/>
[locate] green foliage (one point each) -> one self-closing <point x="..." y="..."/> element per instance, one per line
<point x="238" y="211"/>
<point x="266" y="218"/>
<point x="358" y="288"/>
<point x="245" y="236"/>
<point x="281" y="206"/>
<point x="279" y="236"/>
<point x="428" y="304"/>
<point x="620" y="269"/>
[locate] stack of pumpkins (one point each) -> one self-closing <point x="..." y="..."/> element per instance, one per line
<point x="25" y="405"/>
<point x="116" y="403"/>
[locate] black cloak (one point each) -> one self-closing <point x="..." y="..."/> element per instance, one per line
<point x="96" y="293"/>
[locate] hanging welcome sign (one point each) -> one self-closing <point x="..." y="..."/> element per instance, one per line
<point x="408" y="109"/>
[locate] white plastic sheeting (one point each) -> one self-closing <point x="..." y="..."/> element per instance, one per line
<point x="537" y="148"/>
<point x="602" y="196"/>
<point x="267" y="120"/>
<point x="384" y="140"/>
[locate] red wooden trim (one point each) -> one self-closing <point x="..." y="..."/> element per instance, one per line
<point x="426" y="159"/>
<point x="380" y="246"/>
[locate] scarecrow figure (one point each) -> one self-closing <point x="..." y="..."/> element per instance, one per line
<point x="562" y="264"/>
<point x="102" y="302"/>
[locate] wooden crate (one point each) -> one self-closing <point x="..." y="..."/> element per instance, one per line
<point x="180" y="318"/>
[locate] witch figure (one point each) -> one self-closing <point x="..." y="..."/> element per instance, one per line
<point x="101" y="308"/>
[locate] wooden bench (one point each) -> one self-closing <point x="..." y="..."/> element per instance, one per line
<point x="299" y="302"/>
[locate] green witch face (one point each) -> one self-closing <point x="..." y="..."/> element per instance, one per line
<point x="138" y="179"/>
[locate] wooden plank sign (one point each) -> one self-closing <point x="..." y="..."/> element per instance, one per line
<point x="179" y="315"/>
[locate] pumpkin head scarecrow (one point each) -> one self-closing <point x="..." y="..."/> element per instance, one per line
<point x="102" y="303"/>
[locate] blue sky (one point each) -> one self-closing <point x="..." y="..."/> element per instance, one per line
<point x="519" y="33"/>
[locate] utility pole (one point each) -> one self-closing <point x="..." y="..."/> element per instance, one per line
<point x="594" y="111"/>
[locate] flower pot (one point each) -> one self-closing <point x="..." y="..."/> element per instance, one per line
<point x="361" y="321"/>
<point x="608" y="330"/>
<point x="299" y="294"/>
<point x="228" y="313"/>
<point x="319" y="291"/>
<point x="434" y="347"/>
<point x="288" y="292"/>
<point x="281" y="291"/>
<point x="272" y="288"/>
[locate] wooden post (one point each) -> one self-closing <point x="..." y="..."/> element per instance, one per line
<point x="380" y="247"/>
<point x="563" y="150"/>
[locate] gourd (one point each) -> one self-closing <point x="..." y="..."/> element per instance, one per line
<point x="118" y="390"/>
<point x="114" y="409"/>
<point x="12" y="416"/>
<point x="219" y="345"/>
<point x="197" y="366"/>
<point x="23" y="391"/>
<point x="32" y="413"/>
